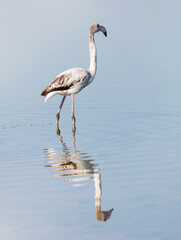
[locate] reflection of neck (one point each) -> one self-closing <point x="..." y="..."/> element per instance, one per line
<point x="98" y="194"/>
<point x="98" y="191"/>
<point x="93" y="54"/>
<point x="100" y="215"/>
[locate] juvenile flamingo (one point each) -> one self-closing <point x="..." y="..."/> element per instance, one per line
<point x="74" y="80"/>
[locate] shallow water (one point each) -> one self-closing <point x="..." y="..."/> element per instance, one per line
<point x="118" y="177"/>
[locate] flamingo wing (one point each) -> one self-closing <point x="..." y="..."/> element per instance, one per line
<point x="67" y="80"/>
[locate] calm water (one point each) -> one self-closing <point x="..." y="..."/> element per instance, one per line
<point x="118" y="177"/>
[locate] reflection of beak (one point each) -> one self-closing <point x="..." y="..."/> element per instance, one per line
<point x="103" y="30"/>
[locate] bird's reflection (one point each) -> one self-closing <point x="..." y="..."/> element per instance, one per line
<point x="77" y="167"/>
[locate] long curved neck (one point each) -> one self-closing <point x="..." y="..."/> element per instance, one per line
<point x="93" y="54"/>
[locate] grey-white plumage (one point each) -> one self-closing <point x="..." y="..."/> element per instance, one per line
<point x="74" y="80"/>
<point x="67" y="83"/>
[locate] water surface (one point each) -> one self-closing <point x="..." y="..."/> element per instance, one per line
<point x="117" y="177"/>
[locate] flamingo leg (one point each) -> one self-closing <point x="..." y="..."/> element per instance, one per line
<point x="73" y="117"/>
<point x="59" y="109"/>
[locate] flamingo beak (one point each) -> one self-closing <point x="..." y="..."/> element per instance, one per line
<point x="103" y="30"/>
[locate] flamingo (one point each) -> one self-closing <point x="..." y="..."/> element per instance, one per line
<point x="72" y="81"/>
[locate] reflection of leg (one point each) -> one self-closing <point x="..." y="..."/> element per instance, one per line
<point x="59" y="109"/>
<point x="57" y="130"/>
<point x="73" y="143"/>
<point x="73" y="117"/>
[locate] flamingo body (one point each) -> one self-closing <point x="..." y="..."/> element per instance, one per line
<point x="67" y="83"/>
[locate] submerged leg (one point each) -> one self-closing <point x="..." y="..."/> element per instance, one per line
<point x="59" y="109"/>
<point x="73" y="117"/>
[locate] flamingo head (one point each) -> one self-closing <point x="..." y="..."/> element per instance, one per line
<point x="95" y="27"/>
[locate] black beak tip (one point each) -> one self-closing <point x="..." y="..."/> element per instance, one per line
<point x="105" y="34"/>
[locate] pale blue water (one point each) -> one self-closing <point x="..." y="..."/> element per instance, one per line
<point x="47" y="181"/>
